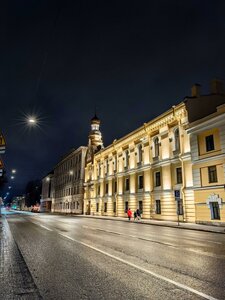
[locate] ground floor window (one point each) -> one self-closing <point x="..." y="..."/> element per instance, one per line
<point x="114" y="207"/>
<point x="215" y="210"/>
<point x="105" y="207"/>
<point x="126" y="206"/>
<point x="97" y="207"/>
<point x="157" y="207"/>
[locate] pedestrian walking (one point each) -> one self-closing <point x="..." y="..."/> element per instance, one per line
<point x="129" y="214"/>
<point x="135" y="216"/>
<point x="138" y="213"/>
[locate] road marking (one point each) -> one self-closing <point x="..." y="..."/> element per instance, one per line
<point x="180" y="285"/>
<point x="132" y="236"/>
<point x="42" y="226"/>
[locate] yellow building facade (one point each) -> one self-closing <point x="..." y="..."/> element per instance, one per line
<point x="150" y="169"/>
<point x="207" y="137"/>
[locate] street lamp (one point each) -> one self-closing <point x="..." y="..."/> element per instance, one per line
<point x="12" y="177"/>
<point x="32" y="120"/>
<point x="13" y="171"/>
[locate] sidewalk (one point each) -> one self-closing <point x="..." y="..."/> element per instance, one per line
<point x="190" y="226"/>
<point x="16" y="281"/>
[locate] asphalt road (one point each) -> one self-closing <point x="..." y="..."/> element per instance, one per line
<point x="82" y="258"/>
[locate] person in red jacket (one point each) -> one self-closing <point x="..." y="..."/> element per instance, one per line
<point x="129" y="214"/>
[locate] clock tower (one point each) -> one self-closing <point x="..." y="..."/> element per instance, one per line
<point x="95" y="142"/>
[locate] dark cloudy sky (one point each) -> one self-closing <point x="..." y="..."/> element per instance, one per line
<point x="132" y="59"/>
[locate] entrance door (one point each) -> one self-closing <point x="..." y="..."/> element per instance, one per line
<point x="89" y="208"/>
<point x="215" y="210"/>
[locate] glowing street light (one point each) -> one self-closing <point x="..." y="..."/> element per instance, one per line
<point x="32" y="120"/>
<point x="71" y="172"/>
<point x="9" y="187"/>
<point x="12" y="177"/>
<point x="13" y="171"/>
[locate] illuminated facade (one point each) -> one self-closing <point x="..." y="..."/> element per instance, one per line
<point x="47" y="193"/>
<point x="68" y="182"/>
<point x="207" y="136"/>
<point x="143" y="170"/>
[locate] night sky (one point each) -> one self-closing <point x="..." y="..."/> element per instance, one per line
<point x="131" y="59"/>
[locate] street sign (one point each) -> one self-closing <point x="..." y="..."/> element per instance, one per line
<point x="177" y="194"/>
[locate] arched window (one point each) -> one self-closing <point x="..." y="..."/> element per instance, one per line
<point x="156" y="143"/>
<point x="139" y="153"/>
<point x="177" y="140"/>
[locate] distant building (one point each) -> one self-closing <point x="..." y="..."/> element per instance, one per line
<point x="18" y="203"/>
<point x="207" y="136"/>
<point x="47" y="193"/>
<point x="68" y="182"/>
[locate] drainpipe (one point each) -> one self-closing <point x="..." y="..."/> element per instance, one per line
<point x="183" y="173"/>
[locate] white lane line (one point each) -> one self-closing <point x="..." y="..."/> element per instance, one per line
<point x="42" y="226"/>
<point x="180" y="285"/>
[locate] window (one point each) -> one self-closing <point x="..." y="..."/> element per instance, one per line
<point x="105" y="207"/>
<point x="97" y="207"/>
<point x="126" y="159"/>
<point x="106" y="167"/>
<point x="139" y="153"/>
<point x="140" y="206"/>
<point x="157" y="179"/>
<point x="209" y="141"/>
<point x="156" y="143"/>
<point x="126" y="206"/>
<point x="177" y="140"/>
<point x="179" y="175"/>
<point x="140" y="182"/>
<point x="215" y="210"/>
<point x="114" y="207"/>
<point x="115" y="186"/>
<point x="98" y="189"/>
<point x="106" y="188"/>
<point x="127" y="184"/>
<point x="115" y="164"/>
<point x="157" y="207"/>
<point x="212" y="174"/>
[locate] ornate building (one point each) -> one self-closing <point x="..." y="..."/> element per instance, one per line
<point x="207" y="136"/>
<point x="68" y="182"/>
<point x="149" y="169"/>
